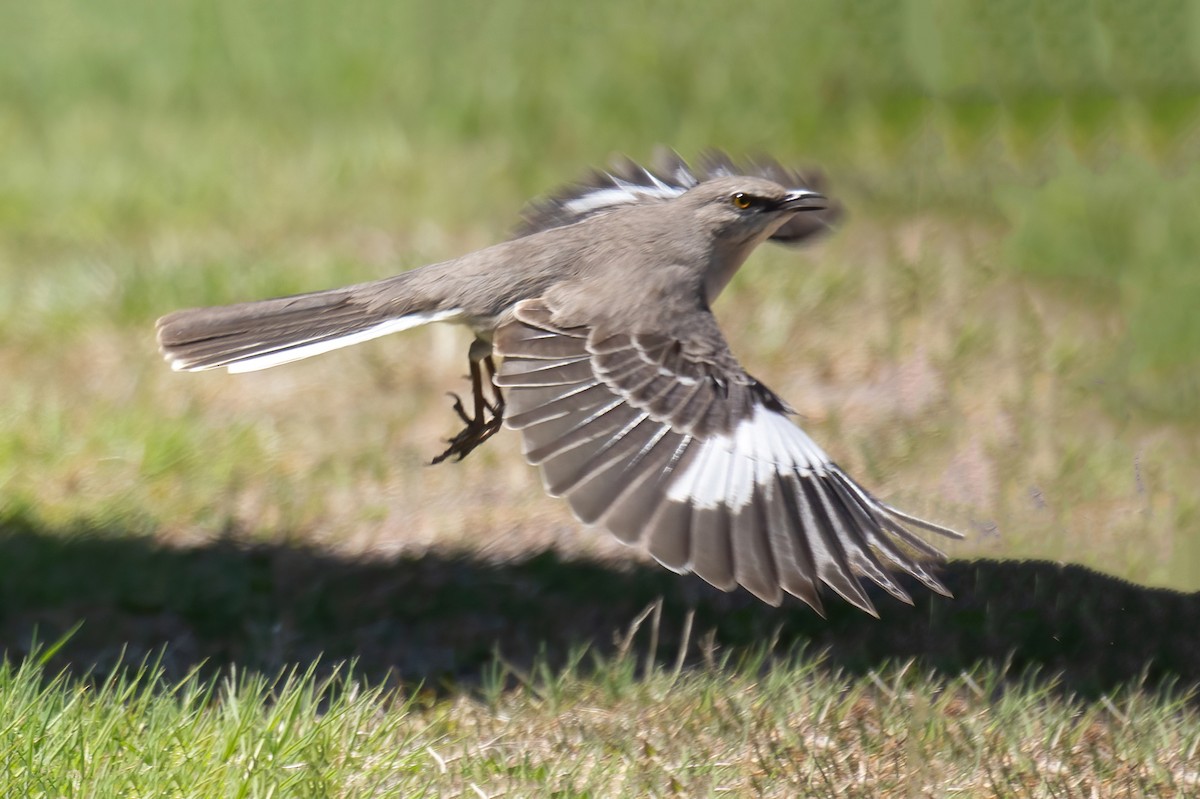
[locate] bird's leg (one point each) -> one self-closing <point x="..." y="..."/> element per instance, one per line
<point x="480" y="427"/>
<point x="496" y="406"/>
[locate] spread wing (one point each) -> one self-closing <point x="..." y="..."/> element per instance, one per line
<point x="668" y="443"/>
<point x="629" y="183"/>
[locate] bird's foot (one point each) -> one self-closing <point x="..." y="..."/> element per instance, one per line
<point x="475" y="433"/>
<point x="489" y="414"/>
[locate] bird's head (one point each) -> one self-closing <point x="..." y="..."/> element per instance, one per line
<point x="745" y="210"/>
<point x="734" y="214"/>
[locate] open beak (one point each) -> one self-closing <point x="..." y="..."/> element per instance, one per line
<point x="804" y="200"/>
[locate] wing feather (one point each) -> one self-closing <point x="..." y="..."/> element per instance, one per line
<point x="667" y="442"/>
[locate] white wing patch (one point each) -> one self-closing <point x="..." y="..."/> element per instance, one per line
<point x="623" y="192"/>
<point x="310" y="347"/>
<point x="727" y="468"/>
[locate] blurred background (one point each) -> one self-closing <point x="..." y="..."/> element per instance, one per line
<point x="1003" y="335"/>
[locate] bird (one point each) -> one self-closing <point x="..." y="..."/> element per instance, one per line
<point x="616" y="374"/>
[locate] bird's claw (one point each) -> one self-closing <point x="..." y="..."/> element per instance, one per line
<point x="475" y="433"/>
<point x="460" y="410"/>
<point x="489" y="414"/>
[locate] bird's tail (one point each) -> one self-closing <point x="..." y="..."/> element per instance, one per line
<point x="258" y="335"/>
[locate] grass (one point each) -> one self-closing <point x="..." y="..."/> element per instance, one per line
<point x="1002" y="337"/>
<point x="758" y="726"/>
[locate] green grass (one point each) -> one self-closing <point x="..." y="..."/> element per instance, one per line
<point x="755" y="727"/>
<point x="1001" y="336"/>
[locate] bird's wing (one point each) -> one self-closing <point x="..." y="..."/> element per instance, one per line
<point x="668" y="443"/>
<point x="629" y="183"/>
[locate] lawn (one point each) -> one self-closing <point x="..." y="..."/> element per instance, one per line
<point x="1001" y="336"/>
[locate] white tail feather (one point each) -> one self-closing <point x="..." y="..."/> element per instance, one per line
<point x="307" y="349"/>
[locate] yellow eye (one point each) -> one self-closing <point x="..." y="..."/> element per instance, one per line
<point x="741" y="200"/>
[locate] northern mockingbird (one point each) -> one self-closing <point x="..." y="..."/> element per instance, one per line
<point x="619" y="378"/>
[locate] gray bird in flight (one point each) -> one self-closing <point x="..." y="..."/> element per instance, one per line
<point x="614" y="370"/>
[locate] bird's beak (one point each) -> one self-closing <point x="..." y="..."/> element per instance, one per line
<point x="804" y="200"/>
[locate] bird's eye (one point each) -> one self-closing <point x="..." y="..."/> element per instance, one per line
<point x="742" y="200"/>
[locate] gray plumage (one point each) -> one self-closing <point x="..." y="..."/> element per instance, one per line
<point x="618" y="377"/>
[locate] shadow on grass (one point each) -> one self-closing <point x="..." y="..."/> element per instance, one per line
<point x="438" y="619"/>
